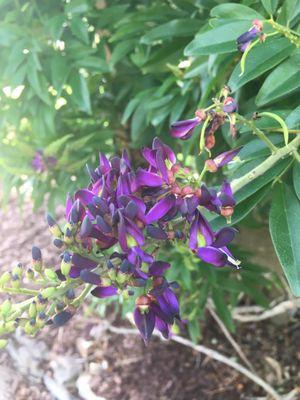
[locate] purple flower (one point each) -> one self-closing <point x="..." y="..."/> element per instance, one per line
<point x="222" y="159"/>
<point x="184" y="129"/>
<point x="246" y="38"/>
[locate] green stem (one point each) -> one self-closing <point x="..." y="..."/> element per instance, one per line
<point x="77" y="302"/>
<point x="250" y="124"/>
<point x="27" y="292"/>
<point x="285" y="31"/>
<point x="238" y="184"/>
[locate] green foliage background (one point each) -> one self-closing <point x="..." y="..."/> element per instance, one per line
<point x="81" y="76"/>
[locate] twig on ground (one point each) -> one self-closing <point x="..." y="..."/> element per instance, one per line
<point x="229" y="337"/>
<point x="210" y="353"/>
<point x="281" y="308"/>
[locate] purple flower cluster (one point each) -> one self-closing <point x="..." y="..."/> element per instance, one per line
<point x="124" y="213"/>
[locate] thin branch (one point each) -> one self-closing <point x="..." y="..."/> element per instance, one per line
<point x="281" y="308"/>
<point x="215" y="355"/>
<point x="229" y="337"/>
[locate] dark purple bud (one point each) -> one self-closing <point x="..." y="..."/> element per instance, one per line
<point x="41" y="299"/>
<point x="70" y="294"/>
<point x="58" y="243"/>
<point x="101" y="204"/>
<point x="62" y="318"/>
<point x="36" y="253"/>
<point x="126" y="267"/>
<point x="76" y="212"/>
<point x="104" y="291"/>
<point x="86" y="227"/>
<point x="103" y="225"/>
<point x="92" y="174"/>
<point x="131" y="210"/>
<point x="156" y="232"/>
<point x="224" y="236"/>
<point x="50" y="221"/>
<point x="158" y="268"/>
<point x="42" y="315"/>
<point x="145" y="322"/>
<point x="90" y="277"/>
<point x="67" y="257"/>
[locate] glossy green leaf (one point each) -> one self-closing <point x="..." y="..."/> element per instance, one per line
<point x="80" y="93"/>
<point x="77" y="6"/>
<point x="261" y="58"/>
<point x="282" y="81"/>
<point x="235" y="11"/>
<point x="296" y="178"/>
<point x="221" y="39"/>
<point x="293" y="119"/>
<point x="285" y="228"/>
<point x="59" y="72"/>
<point x="175" y="28"/>
<point x="270" y="5"/>
<point x="79" y="28"/>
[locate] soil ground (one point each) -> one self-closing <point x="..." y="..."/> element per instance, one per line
<point x="84" y="361"/>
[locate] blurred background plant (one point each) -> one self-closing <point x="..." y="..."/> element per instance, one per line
<point x="82" y="76"/>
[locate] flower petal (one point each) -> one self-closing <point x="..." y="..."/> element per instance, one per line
<point x="160" y="209"/>
<point x="145" y="323"/>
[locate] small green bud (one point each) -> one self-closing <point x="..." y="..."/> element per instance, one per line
<point x="15" y="283"/>
<point x="32" y="311"/>
<point x="3" y="343"/>
<point x="5" y="308"/>
<point x="145" y="268"/>
<point x="105" y="281"/>
<point x="65" y="265"/>
<point x="50" y="274"/>
<point x="30" y="274"/>
<point x="122" y="278"/>
<point x="2" y="328"/>
<point x="29" y="327"/>
<point x="48" y="292"/>
<point x="17" y="270"/>
<point x="4" y="279"/>
<point x="112" y="274"/>
<point x="53" y="226"/>
<point x="10" y="326"/>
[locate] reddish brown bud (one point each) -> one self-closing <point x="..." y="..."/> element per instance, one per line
<point x="227" y="211"/>
<point x="143" y="301"/>
<point x="201" y="114"/>
<point x="211" y="166"/>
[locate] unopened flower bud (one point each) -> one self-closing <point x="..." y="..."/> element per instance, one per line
<point x="10" y="326"/>
<point x="68" y="237"/>
<point x="32" y="311"/>
<point x="29" y="274"/>
<point x="17" y="270"/>
<point x="5" y="278"/>
<point x="86" y="227"/>
<point x="15" y="281"/>
<point x="50" y="274"/>
<point x="65" y="265"/>
<point x="5" y="308"/>
<point x="53" y="226"/>
<point x="36" y="258"/>
<point x="58" y="243"/>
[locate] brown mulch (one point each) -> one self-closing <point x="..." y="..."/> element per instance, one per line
<point x="84" y="361"/>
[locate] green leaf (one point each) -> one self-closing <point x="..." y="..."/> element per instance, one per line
<point x="296" y="178"/>
<point x="262" y="57"/>
<point x="138" y="122"/>
<point x="270" y="5"/>
<point x="235" y="11"/>
<point x="80" y="92"/>
<point x="283" y="80"/>
<point x="59" y="72"/>
<point x="53" y="148"/>
<point x="79" y="28"/>
<point x="175" y="28"/>
<point x="285" y="228"/>
<point x="293" y="119"/>
<point x="76" y="7"/>
<point x="121" y="50"/>
<point x="221" y="39"/>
